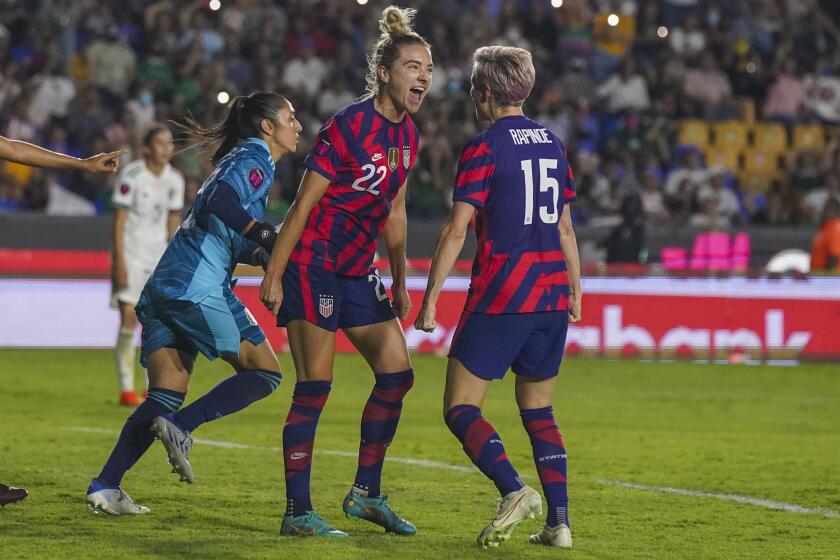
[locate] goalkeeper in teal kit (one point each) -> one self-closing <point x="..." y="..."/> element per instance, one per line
<point x="187" y="305"/>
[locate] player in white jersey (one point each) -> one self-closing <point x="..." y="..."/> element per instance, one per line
<point x="148" y="198"/>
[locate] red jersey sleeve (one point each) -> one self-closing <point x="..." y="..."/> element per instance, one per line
<point x="475" y="170"/>
<point x="328" y="151"/>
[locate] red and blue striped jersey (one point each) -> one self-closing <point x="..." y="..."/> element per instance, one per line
<point x="518" y="177"/>
<point x="367" y="158"/>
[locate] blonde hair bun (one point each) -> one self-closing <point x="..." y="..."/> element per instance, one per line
<point x="396" y="21"/>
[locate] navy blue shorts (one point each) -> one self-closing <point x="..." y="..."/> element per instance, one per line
<point x="215" y="327"/>
<point x="332" y="301"/>
<point x="531" y="344"/>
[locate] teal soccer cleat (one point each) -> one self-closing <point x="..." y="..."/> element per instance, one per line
<point x="309" y="525"/>
<point x="376" y="510"/>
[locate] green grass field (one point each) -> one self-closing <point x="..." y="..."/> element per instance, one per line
<point x="761" y="432"/>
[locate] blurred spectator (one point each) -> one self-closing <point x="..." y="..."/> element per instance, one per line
<point x="688" y="40"/>
<point x="724" y="201"/>
<point x="786" y="97"/>
<point x="626" y="242"/>
<point x="707" y="85"/>
<point x="305" y="72"/>
<point x="112" y="65"/>
<point x="825" y="251"/>
<point x="690" y="173"/>
<point x="626" y="90"/>
<point x="53" y="91"/>
<point x="816" y="200"/>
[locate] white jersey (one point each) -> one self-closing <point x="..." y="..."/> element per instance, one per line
<point x="148" y="199"/>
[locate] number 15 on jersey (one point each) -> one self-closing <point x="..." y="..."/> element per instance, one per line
<point x="548" y="214"/>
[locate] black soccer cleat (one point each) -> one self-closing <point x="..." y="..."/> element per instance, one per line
<point x="10" y="494"/>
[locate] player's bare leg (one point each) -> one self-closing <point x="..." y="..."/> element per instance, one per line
<point x="533" y="395"/>
<point x="383" y="347"/>
<point x="313" y="352"/>
<point x="125" y="354"/>
<point x="462" y="401"/>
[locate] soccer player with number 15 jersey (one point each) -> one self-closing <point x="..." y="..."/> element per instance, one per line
<point x="515" y="177"/>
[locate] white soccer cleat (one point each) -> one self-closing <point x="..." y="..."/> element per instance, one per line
<point x="178" y="444"/>
<point x="559" y="536"/>
<point x="112" y="499"/>
<point x="513" y="508"/>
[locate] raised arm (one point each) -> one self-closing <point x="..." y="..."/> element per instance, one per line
<point x="449" y="245"/>
<point x="312" y="188"/>
<point x="395" y="235"/>
<point x="36" y="156"/>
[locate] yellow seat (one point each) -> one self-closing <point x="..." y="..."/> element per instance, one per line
<point x="761" y="163"/>
<point x="694" y="132"/>
<point x="808" y="137"/>
<point x="771" y="138"/>
<point x="730" y="135"/>
<point x="724" y="158"/>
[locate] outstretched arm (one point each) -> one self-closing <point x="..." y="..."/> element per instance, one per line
<point x="449" y="245"/>
<point x="30" y="154"/>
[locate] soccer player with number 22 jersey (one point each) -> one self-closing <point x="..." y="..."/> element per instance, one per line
<point x="515" y="179"/>
<point x="320" y="277"/>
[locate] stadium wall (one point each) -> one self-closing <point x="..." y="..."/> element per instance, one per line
<point x="37" y="231"/>
<point x="727" y="319"/>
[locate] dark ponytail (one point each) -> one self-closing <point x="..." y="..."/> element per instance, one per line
<point x="242" y="121"/>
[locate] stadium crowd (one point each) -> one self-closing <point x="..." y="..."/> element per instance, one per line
<point x="666" y="102"/>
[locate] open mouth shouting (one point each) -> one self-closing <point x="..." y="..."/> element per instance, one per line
<point x="417" y="93"/>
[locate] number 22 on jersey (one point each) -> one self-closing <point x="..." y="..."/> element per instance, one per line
<point x="369" y="171"/>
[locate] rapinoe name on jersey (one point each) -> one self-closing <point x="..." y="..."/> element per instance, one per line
<point x="529" y="136"/>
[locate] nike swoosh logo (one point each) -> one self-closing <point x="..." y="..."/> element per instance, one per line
<point x="301" y="532"/>
<point x="377" y="157"/>
<point x="296" y="456"/>
<point x="506" y="517"/>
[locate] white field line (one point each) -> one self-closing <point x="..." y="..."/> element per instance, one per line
<point x="334" y="452"/>
<point x="769" y="504"/>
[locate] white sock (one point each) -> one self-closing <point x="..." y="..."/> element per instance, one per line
<point x="125" y="359"/>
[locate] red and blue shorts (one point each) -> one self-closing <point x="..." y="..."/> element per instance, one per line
<point x="333" y="301"/>
<point x="530" y="344"/>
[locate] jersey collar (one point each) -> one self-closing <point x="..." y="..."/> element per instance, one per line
<point x="259" y="142"/>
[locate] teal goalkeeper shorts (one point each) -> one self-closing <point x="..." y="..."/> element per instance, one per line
<point x="216" y="326"/>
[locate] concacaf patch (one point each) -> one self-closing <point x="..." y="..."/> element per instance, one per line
<point x="322" y="147"/>
<point x="124" y="188"/>
<point x="406" y="156"/>
<point x="256" y="177"/>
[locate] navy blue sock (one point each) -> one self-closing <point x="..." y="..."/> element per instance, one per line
<point x="231" y="395"/>
<point x="308" y="400"/>
<point x="483" y="446"/>
<point x="379" y="424"/>
<point x="550" y="459"/>
<point x="136" y="435"/>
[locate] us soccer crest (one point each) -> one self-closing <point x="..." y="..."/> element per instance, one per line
<point x="406" y="156"/>
<point x="393" y="158"/>
<point x="325" y="306"/>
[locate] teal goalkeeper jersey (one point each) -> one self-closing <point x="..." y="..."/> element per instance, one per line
<point x="201" y="257"/>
